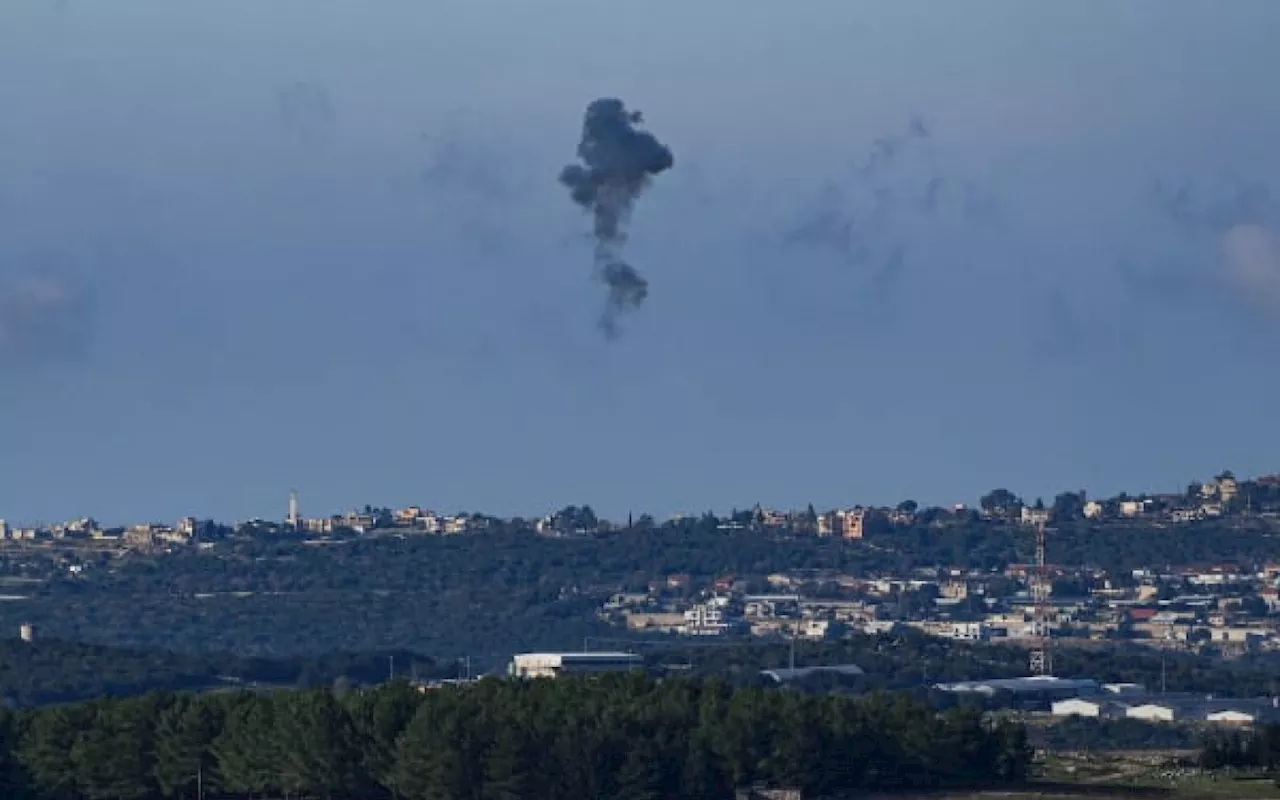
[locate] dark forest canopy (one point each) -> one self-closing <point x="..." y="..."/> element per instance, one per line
<point x="609" y="737"/>
<point x="490" y="594"/>
<point x="48" y="671"/>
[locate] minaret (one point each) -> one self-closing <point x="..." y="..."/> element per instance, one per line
<point x="294" y="520"/>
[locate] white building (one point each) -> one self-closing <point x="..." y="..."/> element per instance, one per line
<point x="1043" y="686"/>
<point x="1156" y="712"/>
<point x="1221" y="711"/>
<point x="1125" y="689"/>
<point x="704" y="619"/>
<point x="817" y="629"/>
<point x="969" y="631"/>
<point x="1083" y="707"/>
<point x="1034" y="516"/>
<point x="1232" y="717"/>
<point x="551" y="665"/>
<point x="1134" y="508"/>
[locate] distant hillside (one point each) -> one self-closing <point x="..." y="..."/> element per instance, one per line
<point x="488" y="595"/>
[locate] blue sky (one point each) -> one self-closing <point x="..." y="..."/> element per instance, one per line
<point x="321" y="244"/>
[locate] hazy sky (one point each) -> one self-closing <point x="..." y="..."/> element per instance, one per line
<point x="248" y="245"/>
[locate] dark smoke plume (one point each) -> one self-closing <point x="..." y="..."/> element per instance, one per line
<point x="618" y="162"/>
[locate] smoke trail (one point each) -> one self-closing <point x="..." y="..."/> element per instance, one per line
<point x="885" y="148"/>
<point x="1247" y="203"/>
<point x="618" y="162"/>
<point x="860" y="237"/>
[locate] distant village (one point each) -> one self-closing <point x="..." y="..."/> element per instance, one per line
<point x="1224" y="496"/>
<point x="1222" y="608"/>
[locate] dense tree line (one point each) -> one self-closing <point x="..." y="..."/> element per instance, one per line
<point x="1092" y="733"/>
<point x="609" y="737"/>
<point x="1253" y="749"/>
<point x="48" y="671"/>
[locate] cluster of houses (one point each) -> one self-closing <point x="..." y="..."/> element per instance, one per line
<point x="1223" y="608"/>
<point x="190" y="529"/>
<point x="410" y="518"/>
<point x="1223" y="496"/>
<point x="88" y="529"/>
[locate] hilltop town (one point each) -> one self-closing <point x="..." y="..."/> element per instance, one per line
<point x="1087" y="595"/>
<point x="1256" y="500"/>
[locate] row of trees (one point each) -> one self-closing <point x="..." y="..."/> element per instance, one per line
<point x="614" y="736"/>
<point x="1255" y="749"/>
<point x="48" y="671"/>
<point x="1258" y="748"/>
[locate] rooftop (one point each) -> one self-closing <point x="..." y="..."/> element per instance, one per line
<point x="784" y="675"/>
<point x="596" y="655"/>
<point x="1035" y="683"/>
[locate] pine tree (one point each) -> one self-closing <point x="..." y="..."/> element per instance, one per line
<point x="185" y="733"/>
<point x="245" y="749"/>
<point x="316" y="745"/>
<point x="46" y="753"/>
<point x="642" y="775"/>
<point x="13" y="779"/>
<point x="430" y="762"/>
<point x="511" y="763"/>
<point x="380" y="717"/>
<point x="113" y="757"/>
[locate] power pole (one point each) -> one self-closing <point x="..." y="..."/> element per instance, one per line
<point x="1042" y="622"/>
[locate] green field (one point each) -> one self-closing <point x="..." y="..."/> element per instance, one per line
<point x="1152" y="773"/>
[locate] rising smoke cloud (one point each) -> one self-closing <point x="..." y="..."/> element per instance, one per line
<point x="618" y="163"/>
<point x="1242" y="221"/>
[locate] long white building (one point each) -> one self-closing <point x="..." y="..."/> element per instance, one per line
<point x="551" y="665"/>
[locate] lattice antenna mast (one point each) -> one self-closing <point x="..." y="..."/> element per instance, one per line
<point x="1042" y="623"/>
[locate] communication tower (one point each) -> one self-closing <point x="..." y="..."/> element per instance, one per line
<point x="1042" y="622"/>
